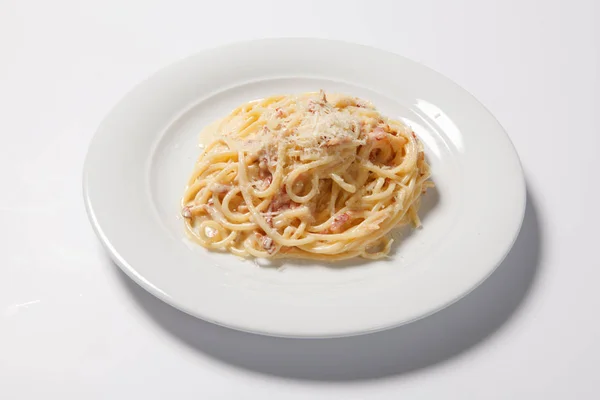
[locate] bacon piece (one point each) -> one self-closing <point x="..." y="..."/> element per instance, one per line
<point x="269" y="219"/>
<point x="266" y="242"/>
<point x="269" y="215"/>
<point x="374" y="154"/>
<point x="267" y="182"/>
<point x="377" y="134"/>
<point x="280" y="202"/>
<point x="339" y="221"/>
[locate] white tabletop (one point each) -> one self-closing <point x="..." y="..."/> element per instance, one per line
<point x="72" y="326"/>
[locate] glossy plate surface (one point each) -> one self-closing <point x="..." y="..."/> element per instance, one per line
<point x="144" y="151"/>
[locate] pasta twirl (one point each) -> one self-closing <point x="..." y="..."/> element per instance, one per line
<point x="315" y="175"/>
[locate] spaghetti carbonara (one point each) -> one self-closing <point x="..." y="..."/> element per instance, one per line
<point x="316" y="175"/>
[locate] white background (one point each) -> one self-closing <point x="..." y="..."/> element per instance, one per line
<point x="72" y="326"/>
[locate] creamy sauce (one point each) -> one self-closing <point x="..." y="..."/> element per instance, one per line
<point x="209" y="133"/>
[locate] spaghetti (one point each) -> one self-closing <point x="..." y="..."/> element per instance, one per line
<point x="318" y="176"/>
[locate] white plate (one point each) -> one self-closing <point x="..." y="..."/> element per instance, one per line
<point x="143" y="153"/>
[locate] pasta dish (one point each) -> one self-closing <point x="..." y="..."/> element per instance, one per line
<point x="316" y="175"/>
